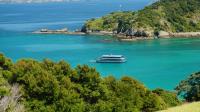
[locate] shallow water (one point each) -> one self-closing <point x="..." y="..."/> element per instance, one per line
<point x="156" y="63"/>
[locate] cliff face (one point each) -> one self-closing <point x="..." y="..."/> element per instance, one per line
<point x="165" y="15"/>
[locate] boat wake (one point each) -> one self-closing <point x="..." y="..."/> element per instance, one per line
<point x="92" y="61"/>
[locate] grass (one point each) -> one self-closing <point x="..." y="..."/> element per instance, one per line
<point x="190" y="107"/>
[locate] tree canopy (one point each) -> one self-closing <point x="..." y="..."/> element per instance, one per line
<point x="190" y="87"/>
<point x="56" y="87"/>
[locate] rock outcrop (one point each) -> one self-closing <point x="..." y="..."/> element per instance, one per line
<point x="163" y="34"/>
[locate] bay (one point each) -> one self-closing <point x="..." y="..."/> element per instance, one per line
<point x="156" y="63"/>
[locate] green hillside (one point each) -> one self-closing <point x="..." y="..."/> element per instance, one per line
<point x="164" y="15"/>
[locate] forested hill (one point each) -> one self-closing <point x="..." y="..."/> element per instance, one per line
<point x="163" y="15"/>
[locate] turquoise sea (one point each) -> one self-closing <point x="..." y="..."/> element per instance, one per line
<point x="156" y="63"/>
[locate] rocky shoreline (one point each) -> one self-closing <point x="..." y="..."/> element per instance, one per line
<point x="121" y="36"/>
<point x="161" y="34"/>
<point x="179" y="35"/>
<point x="186" y="34"/>
<point x="59" y="31"/>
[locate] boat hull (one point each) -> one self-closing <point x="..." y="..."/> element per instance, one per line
<point x="109" y="61"/>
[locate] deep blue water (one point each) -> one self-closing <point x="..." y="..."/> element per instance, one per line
<point x="28" y="17"/>
<point x="156" y="63"/>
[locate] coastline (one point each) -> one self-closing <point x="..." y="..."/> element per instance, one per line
<point x="185" y="34"/>
<point x="121" y="37"/>
<point x="58" y="31"/>
<point x="68" y="33"/>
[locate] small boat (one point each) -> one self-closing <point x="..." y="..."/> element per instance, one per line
<point x="111" y="59"/>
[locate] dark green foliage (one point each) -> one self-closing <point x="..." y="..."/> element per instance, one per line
<point x="166" y="15"/>
<point x="190" y="87"/>
<point x="5" y="74"/>
<point x="55" y="87"/>
<point x="4" y="85"/>
<point x="167" y="96"/>
<point x="153" y="102"/>
<point x="5" y="63"/>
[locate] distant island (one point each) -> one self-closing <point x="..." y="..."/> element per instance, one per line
<point x="162" y="19"/>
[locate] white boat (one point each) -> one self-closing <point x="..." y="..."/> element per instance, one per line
<point x="111" y="59"/>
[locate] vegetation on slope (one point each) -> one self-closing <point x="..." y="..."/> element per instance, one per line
<point x="54" y="86"/>
<point x="164" y="15"/>
<point x="33" y="86"/>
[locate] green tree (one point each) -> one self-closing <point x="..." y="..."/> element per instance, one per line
<point x="153" y="102"/>
<point x="4" y="85"/>
<point x="54" y="86"/>
<point x="190" y="87"/>
<point x="170" y="98"/>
